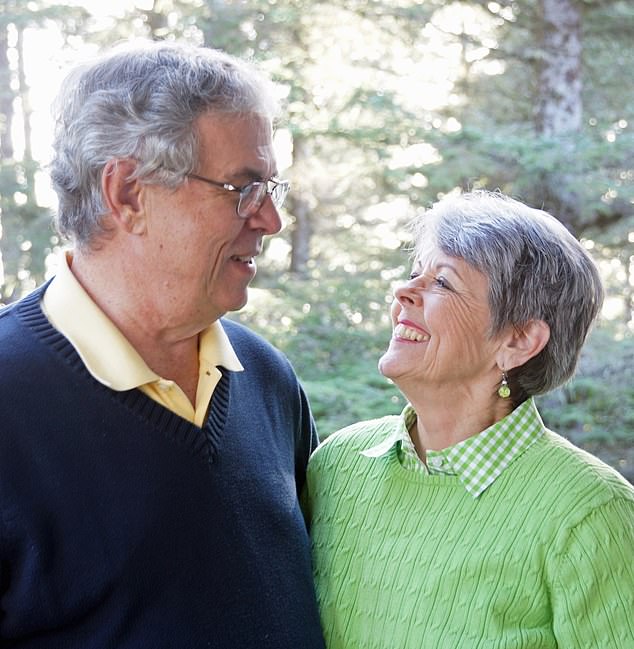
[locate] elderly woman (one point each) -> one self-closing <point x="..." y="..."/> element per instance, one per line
<point x="464" y="523"/>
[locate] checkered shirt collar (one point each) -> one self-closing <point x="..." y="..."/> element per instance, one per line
<point x="478" y="460"/>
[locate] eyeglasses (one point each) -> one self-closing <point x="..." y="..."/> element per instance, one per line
<point x="253" y="194"/>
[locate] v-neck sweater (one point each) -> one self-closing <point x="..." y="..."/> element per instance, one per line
<point x="123" y="525"/>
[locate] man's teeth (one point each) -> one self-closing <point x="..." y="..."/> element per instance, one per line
<point x="410" y="334"/>
<point x="245" y="259"/>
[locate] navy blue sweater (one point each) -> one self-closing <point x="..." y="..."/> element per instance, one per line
<point x="123" y="525"/>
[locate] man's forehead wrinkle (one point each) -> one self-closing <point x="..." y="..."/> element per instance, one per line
<point x="249" y="171"/>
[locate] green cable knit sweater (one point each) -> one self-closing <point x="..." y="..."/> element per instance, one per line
<point x="543" y="558"/>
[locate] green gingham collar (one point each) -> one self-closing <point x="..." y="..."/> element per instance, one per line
<point x="477" y="460"/>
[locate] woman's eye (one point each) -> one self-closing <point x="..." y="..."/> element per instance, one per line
<point x="441" y="281"/>
<point x="413" y="275"/>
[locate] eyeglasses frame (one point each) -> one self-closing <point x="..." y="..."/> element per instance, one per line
<point x="245" y="189"/>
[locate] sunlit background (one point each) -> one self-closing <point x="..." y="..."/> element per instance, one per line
<point x="389" y="104"/>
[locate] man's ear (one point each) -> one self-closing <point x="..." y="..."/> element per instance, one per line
<point x="522" y="344"/>
<point x="123" y="195"/>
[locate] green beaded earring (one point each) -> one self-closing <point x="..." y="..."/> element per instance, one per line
<point x="504" y="391"/>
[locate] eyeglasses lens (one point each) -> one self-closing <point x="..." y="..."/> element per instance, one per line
<point x="279" y="193"/>
<point x="253" y="195"/>
<point x="251" y="199"/>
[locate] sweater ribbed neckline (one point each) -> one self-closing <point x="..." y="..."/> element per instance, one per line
<point x="402" y="473"/>
<point x="202" y="442"/>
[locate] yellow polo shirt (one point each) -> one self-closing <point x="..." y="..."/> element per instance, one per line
<point x="112" y="360"/>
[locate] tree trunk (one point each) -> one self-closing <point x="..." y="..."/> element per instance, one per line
<point x="27" y="159"/>
<point x="6" y="98"/>
<point x="6" y="143"/>
<point x="627" y="259"/>
<point x="300" y="237"/>
<point x="559" y="104"/>
<point x="156" y="22"/>
<point x="299" y="207"/>
<point x="559" y="107"/>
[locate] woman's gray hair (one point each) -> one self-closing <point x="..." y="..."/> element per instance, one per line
<point x="536" y="270"/>
<point x="142" y="102"/>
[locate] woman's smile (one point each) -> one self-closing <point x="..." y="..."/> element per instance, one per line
<point x="407" y="331"/>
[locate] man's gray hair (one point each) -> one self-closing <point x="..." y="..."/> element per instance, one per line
<point x="536" y="270"/>
<point x="142" y="102"/>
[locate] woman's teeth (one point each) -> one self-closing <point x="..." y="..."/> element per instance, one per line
<point x="401" y="331"/>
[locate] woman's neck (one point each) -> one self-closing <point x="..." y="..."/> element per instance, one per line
<point x="446" y="417"/>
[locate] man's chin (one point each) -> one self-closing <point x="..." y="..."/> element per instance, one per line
<point x="237" y="304"/>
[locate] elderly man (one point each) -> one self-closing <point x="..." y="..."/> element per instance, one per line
<point x="151" y="453"/>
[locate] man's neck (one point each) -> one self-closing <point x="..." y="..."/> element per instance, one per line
<point x="168" y="348"/>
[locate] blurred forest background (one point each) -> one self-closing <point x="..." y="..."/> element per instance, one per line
<point x="389" y="104"/>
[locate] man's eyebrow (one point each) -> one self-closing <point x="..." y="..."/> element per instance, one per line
<point x="249" y="174"/>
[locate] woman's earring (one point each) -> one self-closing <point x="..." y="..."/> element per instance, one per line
<point x="504" y="391"/>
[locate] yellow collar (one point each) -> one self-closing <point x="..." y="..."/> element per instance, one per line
<point x="105" y="351"/>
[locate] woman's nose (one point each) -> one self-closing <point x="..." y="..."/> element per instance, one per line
<point x="407" y="295"/>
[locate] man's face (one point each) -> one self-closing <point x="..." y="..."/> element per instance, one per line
<point x="201" y="250"/>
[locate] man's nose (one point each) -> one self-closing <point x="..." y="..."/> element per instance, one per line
<point x="267" y="218"/>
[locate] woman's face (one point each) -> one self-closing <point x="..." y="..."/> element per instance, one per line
<point x="441" y="320"/>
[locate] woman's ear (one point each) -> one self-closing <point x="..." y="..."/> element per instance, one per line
<point x="522" y="344"/>
<point x="123" y="195"/>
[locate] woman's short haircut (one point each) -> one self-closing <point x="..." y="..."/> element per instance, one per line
<point x="536" y="270"/>
<point x="142" y="101"/>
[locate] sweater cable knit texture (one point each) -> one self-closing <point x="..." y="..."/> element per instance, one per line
<point x="543" y="559"/>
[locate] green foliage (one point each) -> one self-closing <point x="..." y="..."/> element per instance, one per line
<point x="27" y="235"/>
<point x="595" y="409"/>
<point x="405" y="101"/>
<point x="513" y="159"/>
<point x="598" y="404"/>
